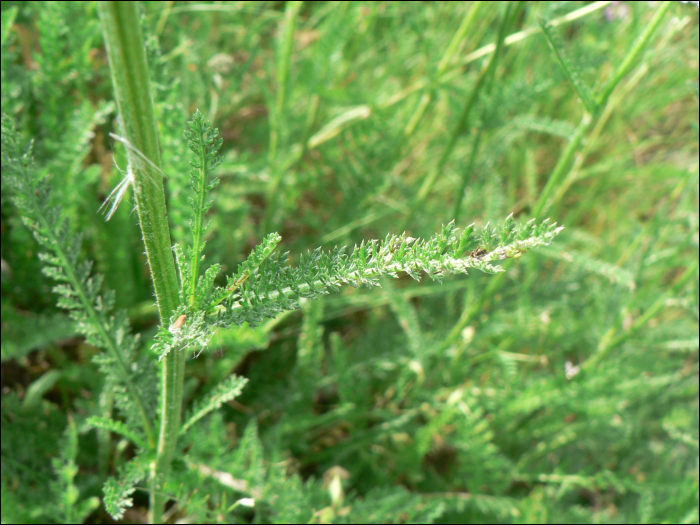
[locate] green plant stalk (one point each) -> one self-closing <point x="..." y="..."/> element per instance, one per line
<point x="571" y="72"/>
<point x="314" y="105"/>
<point x="446" y="59"/>
<point x="471" y="310"/>
<point x="132" y="87"/>
<point x="198" y="229"/>
<point x="530" y="31"/>
<point x="290" y="20"/>
<point x="459" y="198"/>
<point x="432" y="176"/>
<point x="593" y="138"/>
<point x="454" y="69"/>
<point x="429" y="180"/>
<point x="562" y="168"/>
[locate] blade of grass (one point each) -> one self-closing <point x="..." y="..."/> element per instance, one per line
<point x="561" y="170"/>
<point x="455" y="70"/>
<point x="487" y="109"/>
<point x="638" y="47"/>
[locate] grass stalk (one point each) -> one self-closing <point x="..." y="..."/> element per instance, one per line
<point x="558" y="176"/>
<point x="456" y="69"/>
<point x="477" y="139"/>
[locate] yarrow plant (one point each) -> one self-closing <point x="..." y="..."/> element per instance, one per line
<point x="264" y="285"/>
<point x="400" y="404"/>
<point x="192" y="306"/>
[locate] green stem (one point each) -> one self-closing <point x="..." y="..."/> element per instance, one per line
<point x="198" y="226"/>
<point x="562" y="169"/>
<point x="442" y="66"/>
<point x="471" y="310"/>
<point x="459" y="198"/>
<point x="132" y="87"/>
<point x="454" y="70"/>
<point x="505" y="24"/>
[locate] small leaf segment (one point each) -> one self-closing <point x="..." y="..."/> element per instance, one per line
<point x="205" y="143"/>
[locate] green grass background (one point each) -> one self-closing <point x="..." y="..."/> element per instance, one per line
<point x="438" y="402"/>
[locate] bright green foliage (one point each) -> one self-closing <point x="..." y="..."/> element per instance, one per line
<point x="118" y="427"/>
<point x="266" y="285"/>
<point x="223" y="392"/>
<point x="26" y="333"/>
<point x="283" y="498"/>
<point x="560" y="386"/>
<point x="572" y="71"/>
<point x="58" y="478"/>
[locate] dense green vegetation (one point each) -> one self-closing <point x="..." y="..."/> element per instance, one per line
<point x="562" y="389"/>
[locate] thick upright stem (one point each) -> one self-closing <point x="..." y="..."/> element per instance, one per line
<point x="132" y="88"/>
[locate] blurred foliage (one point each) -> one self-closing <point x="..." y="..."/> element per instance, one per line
<point x="563" y="390"/>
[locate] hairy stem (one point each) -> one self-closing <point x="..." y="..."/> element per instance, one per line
<point x="132" y="87"/>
